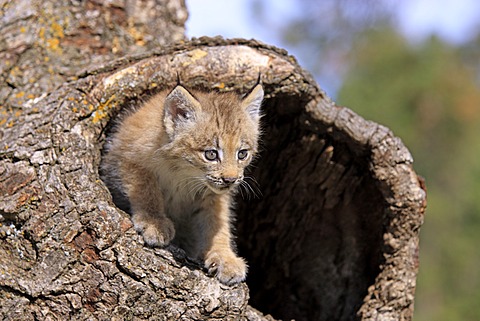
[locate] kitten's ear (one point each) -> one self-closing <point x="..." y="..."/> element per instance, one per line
<point x="253" y="101"/>
<point x="179" y="108"/>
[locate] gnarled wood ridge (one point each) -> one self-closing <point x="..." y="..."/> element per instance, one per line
<point x="334" y="235"/>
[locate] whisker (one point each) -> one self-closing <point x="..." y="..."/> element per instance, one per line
<point x="250" y="192"/>
<point x="247" y="191"/>
<point x="197" y="187"/>
<point x="254" y="188"/>
<point x="253" y="180"/>
<point x="240" y="189"/>
<point x="193" y="185"/>
<point x="205" y="190"/>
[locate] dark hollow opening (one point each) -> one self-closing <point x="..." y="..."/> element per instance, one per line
<point x="313" y="241"/>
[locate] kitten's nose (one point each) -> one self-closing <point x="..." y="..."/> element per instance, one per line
<point x="229" y="180"/>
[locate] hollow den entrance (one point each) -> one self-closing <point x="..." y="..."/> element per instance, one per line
<point x="313" y="239"/>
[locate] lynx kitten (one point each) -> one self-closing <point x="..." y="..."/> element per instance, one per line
<point x="178" y="160"/>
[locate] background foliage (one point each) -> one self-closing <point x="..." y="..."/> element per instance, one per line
<point x="428" y="93"/>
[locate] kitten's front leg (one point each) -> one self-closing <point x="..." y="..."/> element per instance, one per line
<point x="156" y="231"/>
<point x="226" y="266"/>
<point x="148" y="212"/>
<point x="220" y="259"/>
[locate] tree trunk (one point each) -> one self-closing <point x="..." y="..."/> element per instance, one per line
<point x="334" y="235"/>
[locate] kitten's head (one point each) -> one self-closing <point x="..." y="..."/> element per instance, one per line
<point x="214" y="134"/>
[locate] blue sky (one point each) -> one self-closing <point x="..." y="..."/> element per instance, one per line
<point x="453" y="20"/>
<point x="456" y="21"/>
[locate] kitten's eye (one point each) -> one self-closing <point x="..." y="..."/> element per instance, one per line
<point x="242" y="154"/>
<point x="211" y="154"/>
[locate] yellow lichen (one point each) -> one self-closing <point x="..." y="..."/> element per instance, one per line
<point x="100" y="113"/>
<point x="54" y="44"/>
<point x="15" y="71"/>
<point x="97" y="116"/>
<point x="195" y="55"/>
<point x="57" y="30"/>
<point x="41" y="33"/>
<point x="50" y="36"/>
<point x="137" y="35"/>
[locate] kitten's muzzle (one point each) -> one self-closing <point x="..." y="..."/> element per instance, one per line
<point x="222" y="184"/>
<point x="229" y="180"/>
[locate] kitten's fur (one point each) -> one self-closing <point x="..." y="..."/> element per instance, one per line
<point x="178" y="160"/>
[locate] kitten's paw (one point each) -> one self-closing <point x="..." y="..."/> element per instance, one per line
<point x="158" y="233"/>
<point x="228" y="268"/>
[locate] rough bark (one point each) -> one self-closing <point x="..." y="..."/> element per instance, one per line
<point x="334" y="235"/>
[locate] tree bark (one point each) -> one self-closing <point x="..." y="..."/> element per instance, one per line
<point x="334" y="235"/>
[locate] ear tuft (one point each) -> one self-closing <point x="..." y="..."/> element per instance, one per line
<point x="253" y="101"/>
<point x="179" y="103"/>
<point x="179" y="108"/>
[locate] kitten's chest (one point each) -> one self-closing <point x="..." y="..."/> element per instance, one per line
<point x="179" y="203"/>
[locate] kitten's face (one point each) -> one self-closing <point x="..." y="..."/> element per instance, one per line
<point x="223" y="156"/>
<point x="216" y="134"/>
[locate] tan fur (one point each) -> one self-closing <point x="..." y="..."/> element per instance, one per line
<point x="157" y="159"/>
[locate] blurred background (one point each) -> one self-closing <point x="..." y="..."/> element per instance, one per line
<point x="414" y="66"/>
